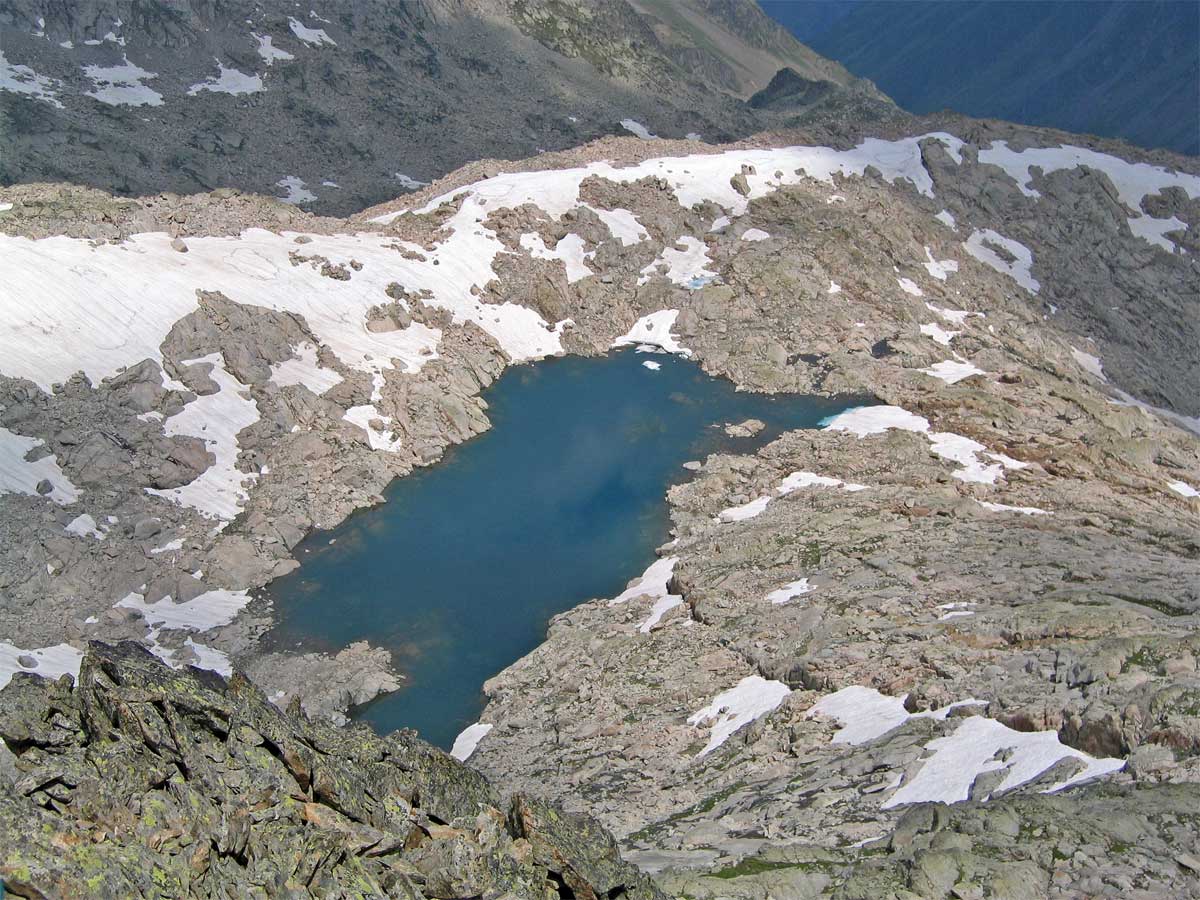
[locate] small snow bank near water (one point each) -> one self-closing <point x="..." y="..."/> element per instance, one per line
<point x="654" y="330"/>
<point x="976" y="746"/>
<point x="751" y="698"/>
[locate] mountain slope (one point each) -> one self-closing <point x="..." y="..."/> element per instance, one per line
<point x="341" y="106"/>
<point x="1121" y="69"/>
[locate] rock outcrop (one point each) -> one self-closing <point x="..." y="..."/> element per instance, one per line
<point x="143" y="781"/>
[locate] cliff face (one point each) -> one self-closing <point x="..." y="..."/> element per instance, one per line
<point x="143" y="781"/>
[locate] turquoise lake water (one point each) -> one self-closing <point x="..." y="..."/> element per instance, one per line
<point x="562" y="501"/>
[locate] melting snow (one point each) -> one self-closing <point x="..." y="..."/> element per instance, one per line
<point x="654" y="330"/>
<point x="1183" y="489"/>
<point x="751" y="698"/>
<point x="867" y="420"/>
<point x="228" y="81"/>
<point x="946" y="218"/>
<point x="216" y="418"/>
<point x="623" y="225"/>
<point x="952" y="371"/>
<point x="638" y="129"/>
<point x="410" y="183"/>
<point x="381" y="439"/>
<point x="122" y="85"/>
<point x="745" y="511"/>
<point x="754" y="234"/>
<point x="468" y="739"/>
<point x="84" y="526"/>
<point x="1089" y="363"/>
<point x="938" y="333"/>
<point x="304" y="369"/>
<point x="789" y="592"/>
<point x="652" y="584"/>
<point x="269" y="53"/>
<point x="1133" y="181"/>
<point x="17" y="476"/>
<point x="910" y="287"/>
<point x="939" y="268"/>
<point x="52" y="662"/>
<point x="569" y="250"/>
<point x="1020" y="269"/>
<point x="1024" y="510"/>
<point x="209" y="610"/>
<point x="953" y="316"/>
<point x="314" y="37"/>
<point x="297" y="191"/>
<point x="798" y="480"/>
<point x="684" y="267"/>
<point x="981" y="745"/>
<point x="23" y="80"/>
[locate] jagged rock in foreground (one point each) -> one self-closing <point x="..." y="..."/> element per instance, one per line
<point x="143" y="781"/>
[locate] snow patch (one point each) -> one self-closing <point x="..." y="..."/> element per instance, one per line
<point x="953" y="316"/>
<point x="910" y="287"/>
<point x="1183" y="489"/>
<point x="939" y="268"/>
<point x="622" y="224"/>
<point x="789" y="592"/>
<point x="122" y="85"/>
<point x="952" y="371"/>
<point x="938" y="333"/>
<point x="654" y="330"/>
<point x="1020" y="269"/>
<point x="1002" y="507"/>
<point x="228" y="81"/>
<point x="745" y="511"/>
<point x="868" y="420"/>
<point x="314" y="37"/>
<point x="754" y="234"/>
<point x="23" y="80"/>
<point x="51" y="662"/>
<point x="206" y="611"/>
<point x="84" y="526"/>
<point x="569" y="250"/>
<point x="269" y="53"/>
<point x="1089" y="363"/>
<point x="638" y="129"/>
<point x="378" y="439"/>
<point x="834" y="287"/>
<point x="652" y="365"/>
<point x="751" y="698"/>
<point x="798" y="480"/>
<point x="303" y="368"/>
<point x="468" y="739"/>
<point x="219" y="491"/>
<point x="410" y="183"/>
<point x="946" y="218"/>
<point x="17" y="476"/>
<point x="295" y="190"/>
<point x="685" y="267"/>
<point x="982" y="745"/>
<point x="1133" y="181"/>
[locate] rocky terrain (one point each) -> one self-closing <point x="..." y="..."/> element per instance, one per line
<point x="139" y="781"/>
<point x="337" y="106"/>
<point x="983" y="587"/>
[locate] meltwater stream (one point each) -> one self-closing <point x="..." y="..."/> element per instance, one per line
<point x="563" y="500"/>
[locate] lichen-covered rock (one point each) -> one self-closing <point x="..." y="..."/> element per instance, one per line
<point x="144" y="781"/>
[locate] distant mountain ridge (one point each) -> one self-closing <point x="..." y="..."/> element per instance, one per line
<point x="339" y="106"/>
<point x="1127" y="69"/>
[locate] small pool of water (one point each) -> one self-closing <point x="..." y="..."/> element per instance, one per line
<point x="562" y="501"/>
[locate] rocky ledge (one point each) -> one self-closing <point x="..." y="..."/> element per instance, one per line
<point x="144" y="781"/>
